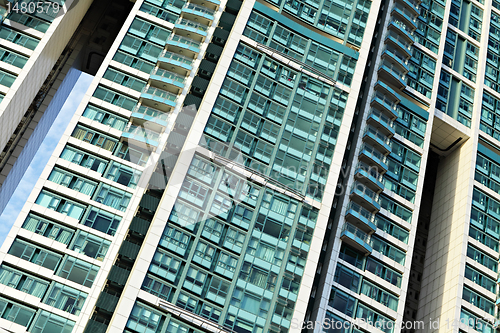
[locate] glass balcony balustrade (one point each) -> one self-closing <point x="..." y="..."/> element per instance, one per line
<point x="150" y="114"/>
<point x="364" y="195"/>
<point x="397" y="57"/>
<point x="392" y="73"/>
<point x="203" y="11"/>
<point x="378" y="138"/>
<point x="159" y="95"/>
<point x="360" y="217"/>
<point x="142" y="134"/>
<point x="184" y="43"/>
<point x="356" y="237"/>
<point x="409" y="16"/>
<point x="399" y="41"/>
<point x="192" y="26"/>
<point x="165" y="76"/>
<point x="176" y="59"/>
<point x="384" y="123"/>
<point x="373" y="156"/>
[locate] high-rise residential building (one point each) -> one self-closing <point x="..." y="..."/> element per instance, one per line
<point x="43" y="52"/>
<point x="272" y="166"/>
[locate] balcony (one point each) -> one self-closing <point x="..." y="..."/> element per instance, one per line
<point x="360" y="217"/>
<point x="411" y="5"/>
<point x="402" y="29"/>
<point x="406" y="15"/>
<point x="371" y="156"/>
<point x="376" y="139"/>
<point x="369" y="176"/>
<point x="172" y="79"/>
<point x="381" y="122"/>
<point x="178" y="63"/>
<point x="397" y="58"/>
<point x="391" y="73"/>
<point x="141" y="134"/>
<point x="152" y="94"/>
<point x="191" y="26"/>
<point x="364" y="196"/>
<point x="384" y="103"/>
<point x="357" y="238"/>
<point x="180" y="44"/>
<point x="386" y="90"/>
<point x="150" y="114"/>
<point x="398" y="41"/>
<point x="198" y="11"/>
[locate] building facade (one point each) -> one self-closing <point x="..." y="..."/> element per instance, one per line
<point x="259" y="167"/>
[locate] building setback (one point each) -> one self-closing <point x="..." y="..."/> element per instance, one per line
<point x="268" y="166"/>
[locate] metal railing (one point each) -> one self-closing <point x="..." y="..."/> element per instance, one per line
<point x="145" y="110"/>
<point x="176" y="57"/>
<point x="183" y="40"/>
<point x="377" y="134"/>
<point x="382" y="117"/>
<point x="198" y="8"/>
<point x="160" y="93"/>
<point x="169" y="75"/>
<point x="192" y="24"/>
<point x="356" y="232"/>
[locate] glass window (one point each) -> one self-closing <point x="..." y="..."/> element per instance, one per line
<point x="112" y="197"/>
<point x="65" y="298"/>
<point x="101" y="220"/>
<point x="78" y="271"/>
<point x="123" y="174"/>
<point x="16" y="313"/>
<point x="72" y="181"/>
<point x="115" y="98"/>
<point x="35" y="254"/>
<point x="49" y="229"/>
<point x="144" y="319"/>
<point x="94" y="138"/>
<point x="22" y="281"/>
<point x="105" y="117"/>
<point x="12" y="58"/>
<point x="18" y="38"/>
<point x="84" y="159"/>
<point x="90" y="245"/>
<point x="47" y="322"/>
<point x="60" y="204"/>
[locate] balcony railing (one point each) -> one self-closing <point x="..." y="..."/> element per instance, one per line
<point x="198" y="8"/>
<point x="385" y="100"/>
<point x="377" y="134"/>
<point x="176" y="40"/>
<point x="364" y="191"/>
<point x="389" y="67"/>
<point x="169" y="75"/>
<point x="382" y="118"/>
<point x="356" y="232"/>
<point x="398" y="56"/>
<point x="403" y="43"/>
<point x="404" y="27"/>
<point x="139" y="132"/>
<point x="147" y="111"/>
<point x="370" y="170"/>
<point x="409" y="15"/>
<point x="374" y="155"/>
<point x="362" y="211"/>
<point x="193" y="25"/>
<point x="176" y="57"/>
